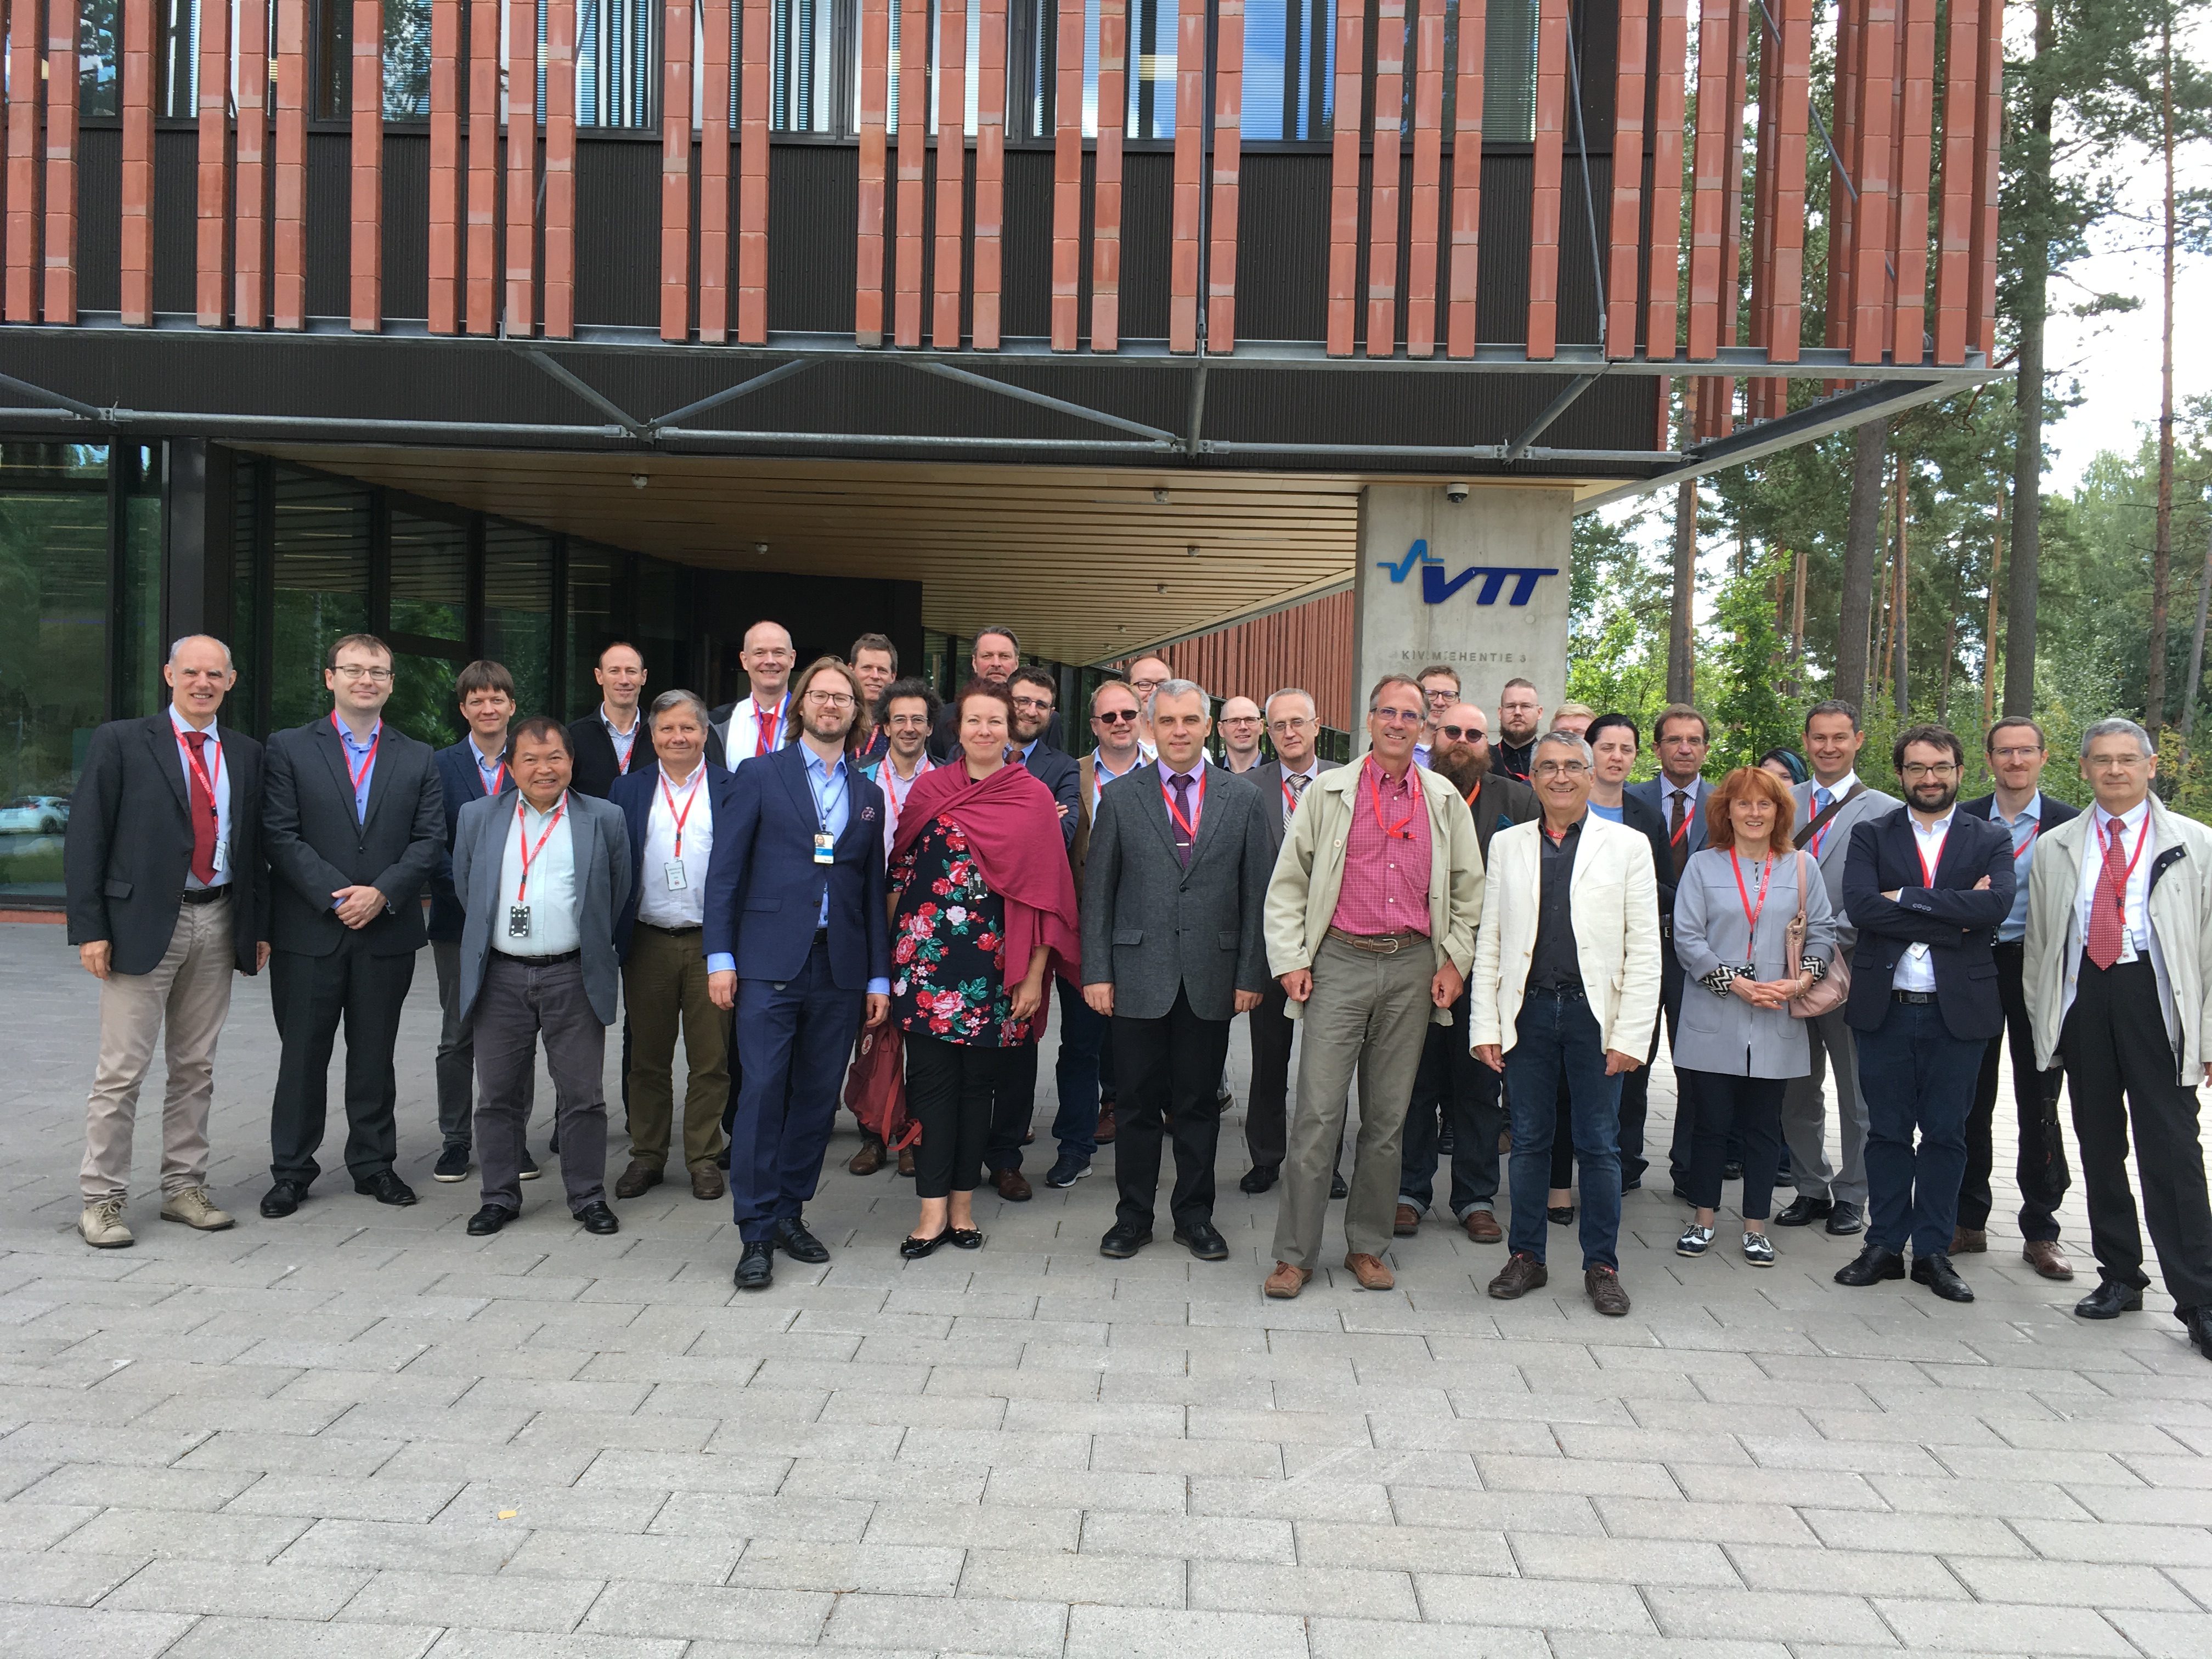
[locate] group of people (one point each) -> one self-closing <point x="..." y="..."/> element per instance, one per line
<point x="1484" y="936"/>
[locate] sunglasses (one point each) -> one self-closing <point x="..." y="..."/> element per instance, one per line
<point x="1110" y="716"/>
<point x="1472" y="734"/>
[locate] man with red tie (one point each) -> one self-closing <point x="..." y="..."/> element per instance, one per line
<point x="760" y="722"/>
<point x="2119" y="980"/>
<point x="167" y="896"/>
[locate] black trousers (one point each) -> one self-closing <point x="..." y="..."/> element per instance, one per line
<point x="1469" y="1096"/>
<point x="1168" y="1065"/>
<point x="1013" y="1098"/>
<point x="2041" y="1170"/>
<point x="948" y="1090"/>
<point x="1267" y="1106"/>
<point x="311" y="996"/>
<point x="1745" y="1107"/>
<point x="2119" y="1066"/>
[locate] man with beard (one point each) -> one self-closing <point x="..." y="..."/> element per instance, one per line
<point x="1451" y="1080"/>
<point x="996" y="654"/>
<point x="1519" y="718"/>
<point x="1927" y="889"/>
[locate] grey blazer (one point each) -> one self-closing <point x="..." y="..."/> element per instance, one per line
<point x="602" y="851"/>
<point x="1150" y="927"/>
<point x="1722" y="1032"/>
<point x="1836" y="845"/>
<point x="1267" y="781"/>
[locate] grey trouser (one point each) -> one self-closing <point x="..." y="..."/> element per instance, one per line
<point x="1367" y="1017"/>
<point x="184" y="1001"/>
<point x="514" y="1005"/>
<point x="1805" y="1115"/>
<point x="457" y="1050"/>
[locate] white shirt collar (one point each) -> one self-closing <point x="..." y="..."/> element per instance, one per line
<point x="606" y="717"/>
<point x="1841" y="787"/>
<point x="698" y="777"/>
<point x="2130" y="820"/>
<point x="1669" y="788"/>
<point x="537" y="817"/>
<point x="1941" y="827"/>
<point x="921" y="764"/>
<point x="1311" y="770"/>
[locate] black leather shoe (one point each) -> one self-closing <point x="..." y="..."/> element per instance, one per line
<point x="1124" y="1239"/>
<point x="796" y="1242"/>
<point x="757" y="1267"/>
<point x="1202" y="1240"/>
<point x="284" y="1198"/>
<point x="912" y="1248"/>
<point x="489" y="1219"/>
<point x="1937" y="1273"/>
<point x="1336" y="1187"/>
<point x="1846" y="1219"/>
<point x="385" y="1188"/>
<point x="2198" y="1321"/>
<point x="1803" y="1212"/>
<point x="1871" y="1266"/>
<point x="1259" y="1178"/>
<point x="2109" y="1301"/>
<point x="599" y="1218"/>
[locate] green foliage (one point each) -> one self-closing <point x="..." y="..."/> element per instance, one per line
<point x="1749" y="714"/>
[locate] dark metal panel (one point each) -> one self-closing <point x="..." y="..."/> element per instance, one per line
<point x="618" y="239"/>
<point x="329" y="224"/>
<point x="1501" y="306"/>
<point x="407" y="224"/>
<point x="1147" y="242"/>
<point x="1025" y="289"/>
<point x="176" y="218"/>
<point x="100" y="218"/>
<point x="1282" y="246"/>
<point x="813" y="250"/>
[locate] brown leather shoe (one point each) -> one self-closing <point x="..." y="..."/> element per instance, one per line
<point x="1106" y="1132"/>
<point x="1287" y="1281"/>
<point x="1370" y="1271"/>
<point x="1605" y="1295"/>
<point x="2046" y="1257"/>
<point x="707" y="1183"/>
<point x="638" y="1180"/>
<point x="906" y="1162"/>
<point x="1969" y="1241"/>
<point x="1520" y="1274"/>
<point x="1505" y="1142"/>
<point x="869" y="1159"/>
<point x="1408" y="1222"/>
<point x="1011" y="1186"/>
<point x="1482" y="1227"/>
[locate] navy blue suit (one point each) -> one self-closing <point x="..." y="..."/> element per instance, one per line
<point x="459" y="782"/>
<point x="801" y="984"/>
<point x="634" y="793"/>
<point x="1918" y="1060"/>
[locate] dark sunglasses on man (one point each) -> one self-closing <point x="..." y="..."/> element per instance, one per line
<point x="1111" y="715"/>
<point x="1474" y="734"/>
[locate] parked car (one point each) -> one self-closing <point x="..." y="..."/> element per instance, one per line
<point x="35" y="815"/>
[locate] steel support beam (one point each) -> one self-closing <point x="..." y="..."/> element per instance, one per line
<point x="1519" y="448"/>
<point x="1042" y="400"/>
<point x="742" y="389"/>
<point x="590" y="394"/>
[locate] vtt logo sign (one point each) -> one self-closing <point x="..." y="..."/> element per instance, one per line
<point x="1436" y="588"/>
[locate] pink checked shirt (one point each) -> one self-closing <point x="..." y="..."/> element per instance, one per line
<point x="1386" y="878"/>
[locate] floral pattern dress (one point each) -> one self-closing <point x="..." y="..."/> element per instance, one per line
<point x="949" y="945"/>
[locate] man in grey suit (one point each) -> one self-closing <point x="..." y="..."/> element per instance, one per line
<point x="1681" y="738"/>
<point x="1174" y="890"/>
<point x="1828" y="808"/>
<point x="542" y="872"/>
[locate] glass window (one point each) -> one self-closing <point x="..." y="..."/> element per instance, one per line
<point x="246" y="594"/>
<point x="406" y="58"/>
<point x="662" y="608"/>
<point x="618" y="58"/>
<point x="140" y="650"/>
<point x="430" y="625"/>
<point x="320" y="587"/>
<point x="1290" y="67"/>
<point x="518" y="609"/>
<point x="1509" y="71"/>
<point x="592" y="573"/>
<point x="803" y="62"/>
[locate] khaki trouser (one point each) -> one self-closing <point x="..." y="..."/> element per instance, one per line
<point x="664" y="985"/>
<point x="185" y="1001"/>
<point x="1368" y="1016"/>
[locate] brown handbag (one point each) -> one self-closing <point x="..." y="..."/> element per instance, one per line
<point x="1833" y="987"/>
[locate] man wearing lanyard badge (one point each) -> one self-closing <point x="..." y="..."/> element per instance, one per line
<point x="761" y="721"/>
<point x="354" y="825"/>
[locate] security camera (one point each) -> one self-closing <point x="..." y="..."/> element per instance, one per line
<point x="1455" y="490"/>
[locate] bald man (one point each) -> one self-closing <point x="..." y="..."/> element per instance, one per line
<point x="1240" y="734"/>
<point x="759" y="723"/>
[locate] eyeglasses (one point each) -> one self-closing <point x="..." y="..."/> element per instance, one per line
<point x="1399" y="716"/>
<point x="1472" y="733"/>
<point x="2014" y="754"/>
<point x="909" y="722"/>
<point x="1916" y="771"/>
<point x="1109" y="716"/>
<point x="1035" y="705"/>
<point x="1290" y="724"/>
<point x="1445" y="695"/>
<point x="1239" y="719"/>
<point x="1557" y="769"/>
<point x="1521" y="707"/>
<point x="346" y="671"/>
<point x="829" y="699"/>
<point x="2115" y="762"/>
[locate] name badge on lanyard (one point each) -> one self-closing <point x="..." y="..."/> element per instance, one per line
<point x="673" y="869"/>
<point x="825" y="848"/>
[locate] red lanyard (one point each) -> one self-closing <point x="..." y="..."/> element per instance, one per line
<point x="766" y="724"/>
<point x="200" y="771"/>
<point x="2033" y="830"/>
<point x="889" y="779"/>
<point x="1375" y="780"/>
<point x="1751" y="911"/>
<point x="2116" y="836"/>
<point x="1474" y="794"/>
<point x="698" y="777"/>
<point x="1690" y="811"/>
<point x="522" y="840"/>
<point x="374" y="744"/>
<point x="1927" y="875"/>
<point x="1187" y="825"/>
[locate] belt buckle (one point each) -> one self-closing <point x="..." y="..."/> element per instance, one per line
<point x="1389" y="946"/>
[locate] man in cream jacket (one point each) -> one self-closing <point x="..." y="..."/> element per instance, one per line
<point x="1371" y="920"/>
<point x="1567" y="984"/>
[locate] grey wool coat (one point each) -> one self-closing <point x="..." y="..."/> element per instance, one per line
<point x="1724" y="1033"/>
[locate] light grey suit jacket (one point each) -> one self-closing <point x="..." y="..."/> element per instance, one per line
<point x="1150" y="927"/>
<point x="602" y="852"/>
<point x="1836" y="845"/>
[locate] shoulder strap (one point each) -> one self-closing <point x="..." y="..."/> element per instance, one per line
<point x="1801" y="885"/>
<point x="1819" y="821"/>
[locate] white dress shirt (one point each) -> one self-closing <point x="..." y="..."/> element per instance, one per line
<point x="659" y="904"/>
<point x="212" y="758"/>
<point x="2134" y="936"/>
<point x="1915" y="972"/>
<point x="741" y="734"/>
<point x="550" y="894"/>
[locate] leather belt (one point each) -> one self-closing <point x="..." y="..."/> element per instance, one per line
<point x="691" y="927"/>
<point x="539" y="962"/>
<point x="1912" y="996"/>
<point x="204" y="894"/>
<point x="1558" y="994"/>
<point x="1380" y="944"/>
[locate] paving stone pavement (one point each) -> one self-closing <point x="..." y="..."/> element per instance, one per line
<point x="361" y="1432"/>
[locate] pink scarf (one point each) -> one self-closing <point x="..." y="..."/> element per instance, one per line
<point x="1011" y="825"/>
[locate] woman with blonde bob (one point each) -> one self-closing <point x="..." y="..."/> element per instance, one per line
<point x="1736" y="1043"/>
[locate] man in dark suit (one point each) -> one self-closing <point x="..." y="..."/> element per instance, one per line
<point x="1614" y="742"/>
<point x="798" y="944"/>
<point x="1681" y="738"/>
<point x="2016" y="754"/>
<point x="1174" y="887"/>
<point x="1926" y="889"/>
<point x="354" y="825"/>
<point x="168" y="895"/>
<point x="610" y="739"/>
<point x="471" y="769"/>
<point x="994" y="656"/>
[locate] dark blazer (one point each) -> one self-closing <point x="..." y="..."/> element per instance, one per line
<point x="1958" y="923"/>
<point x="129" y="845"/>
<point x="1653" y="792"/>
<point x="634" y="793"/>
<point x="1505" y="801"/>
<point x="592" y="752"/>
<point x="459" y="782"/>
<point x="1639" y="814"/>
<point x="764" y="889"/>
<point x="1061" y="774"/>
<point x="1150" y="927"/>
<point x="1267" y="779"/>
<point x="316" y="845"/>
<point x="603" y="864"/>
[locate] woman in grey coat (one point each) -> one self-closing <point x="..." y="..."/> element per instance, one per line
<point x="1736" y="1042"/>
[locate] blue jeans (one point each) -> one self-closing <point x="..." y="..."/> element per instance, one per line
<point x="1075" y="1075"/>
<point x="1914" y="1074"/>
<point x="795" y="1037"/>
<point x="1556" y="1037"/>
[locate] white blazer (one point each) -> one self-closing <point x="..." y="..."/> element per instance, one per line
<point x="1615" y="897"/>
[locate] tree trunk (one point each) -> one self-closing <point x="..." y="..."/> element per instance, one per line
<point x="1862" y="552"/>
<point x="2196" y="645"/>
<point x="1990" y="628"/>
<point x="1797" y="627"/>
<point x="2161" y="558"/>
<point x="1901" y="608"/>
<point x="1681" y="634"/>
<point x="2027" y="385"/>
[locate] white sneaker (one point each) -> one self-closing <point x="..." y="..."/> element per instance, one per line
<point x="101" y="1224"/>
<point x="193" y="1209"/>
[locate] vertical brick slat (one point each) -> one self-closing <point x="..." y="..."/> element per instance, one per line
<point x="1793" y="97"/>
<point x="1623" y="230"/>
<point x="1953" y="231"/>
<point x="1228" y="166"/>
<point x="1466" y="185"/>
<point x="713" y="175"/>
<point x="752" y="174"/>
<point x="559" y="302"/>
<point x="1384" y="172"/>
<point x="365" y="295"/>
<point x="22" y="160"/>
<point x="1915" y="139"/>
<point x="1068" y="178"/>
<point x="249" y="305"/>
<point x="520" y="311"/>
<point x="1190" y="197"/>
<point x="1428" y="171"/>
<point x="1718" y="400"/>
<point x="1106" y="203"/>
<point x="1981" y="255"/>
<point x="875" y="108"/>
<point x="1762" y="217"/>
<point x="1709" y="171"/>
<point x="1344" y="178"/>
<point x="1544" y="201"/>
<point x="136" y="249"/>
<point x="952" y="78"/>
<point x="1661" y="287"/>
<point x="1876" y="101"/>
<point x="482" y="285"/>
<point x="676" y="171"/>
<point x="445" y="302"/>
<point x="61" y="161"/>
<point x="289" y="217"/>
<point x="990" y="172"/>
<point x="1843" y="205"/>
<point x="212" y="290"/>
<point x="913" y="143"/>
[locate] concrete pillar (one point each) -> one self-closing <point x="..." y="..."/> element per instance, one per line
<point x="1481" y="583"/>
